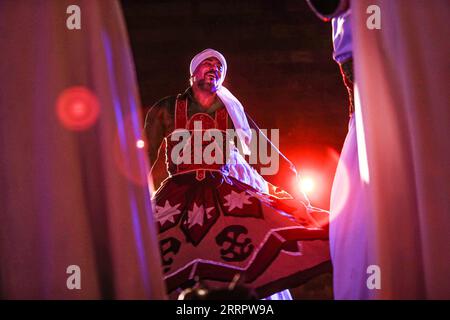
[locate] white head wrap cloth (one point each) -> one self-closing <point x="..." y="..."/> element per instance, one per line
<point x="233" y="105"/>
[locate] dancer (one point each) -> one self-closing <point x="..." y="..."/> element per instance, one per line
<point x="219" y="219"/>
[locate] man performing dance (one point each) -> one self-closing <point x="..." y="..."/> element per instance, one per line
<point x="221" y="218"/>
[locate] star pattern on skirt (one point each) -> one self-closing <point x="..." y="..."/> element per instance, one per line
<point x="237" y="200"/>
<point x="166" y="213"/>
<point x="197" y="214"/>
<point x="260" y="196"/>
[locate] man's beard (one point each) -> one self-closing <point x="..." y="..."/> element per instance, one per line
<point x="207" y="86"/>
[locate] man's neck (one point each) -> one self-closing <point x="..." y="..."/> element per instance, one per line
<point x="204" y="98"/>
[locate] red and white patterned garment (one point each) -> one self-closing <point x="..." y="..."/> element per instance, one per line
<point x="213" y="226"/>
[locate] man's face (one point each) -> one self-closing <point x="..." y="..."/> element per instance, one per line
<point x="207" y="75"/>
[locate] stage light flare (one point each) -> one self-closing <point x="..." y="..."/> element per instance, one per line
<point x="77" y="108"/>
<point x="317" y="169"/>
<point x="140" y="144"/>
<point x="307" y="184"/>
<point x="128" y="149"/>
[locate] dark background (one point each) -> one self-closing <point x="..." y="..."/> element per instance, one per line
<point x="279" y="66"/>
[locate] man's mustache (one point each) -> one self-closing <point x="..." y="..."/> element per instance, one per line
<point x="213" y="73"/>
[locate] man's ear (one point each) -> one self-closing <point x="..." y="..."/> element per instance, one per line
<point x="191" y="80"/>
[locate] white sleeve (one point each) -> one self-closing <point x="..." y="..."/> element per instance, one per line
<point x="241" y="170"/>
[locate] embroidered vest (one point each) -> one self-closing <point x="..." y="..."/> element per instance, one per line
<point x="197" y="144"/>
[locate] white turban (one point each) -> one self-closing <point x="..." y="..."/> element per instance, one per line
<point x="233" y="105"/>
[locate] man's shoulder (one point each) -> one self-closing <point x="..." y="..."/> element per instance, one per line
<point x="162" y="107"/>
<point x="168" y="102"/>
<point x="164" y="103"/>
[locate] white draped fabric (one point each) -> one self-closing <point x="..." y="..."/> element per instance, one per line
<point x="403" y="123"/>
<point x="349" y="226"/>
<point x="72" y="197"/>
<point x="243" y="171"/>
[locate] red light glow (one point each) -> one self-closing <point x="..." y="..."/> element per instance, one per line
<point x="77" y="108"/>
<point x="307" y="184"/>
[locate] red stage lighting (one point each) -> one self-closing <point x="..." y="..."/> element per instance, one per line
<point x="77" y="108"/>
<point x="307" y="184"/>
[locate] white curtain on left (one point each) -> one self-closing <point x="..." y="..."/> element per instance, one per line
<point x="73" y="186"/>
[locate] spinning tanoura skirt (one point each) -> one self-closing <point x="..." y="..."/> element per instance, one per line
<point x="213" y="229"/>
